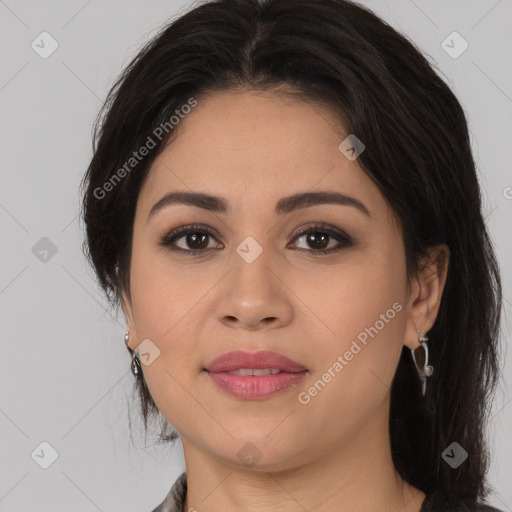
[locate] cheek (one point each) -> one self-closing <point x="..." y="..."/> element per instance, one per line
<point x="362" y="313"/>
<point x="162" y="309"/>
<point x="160" y="297"/>
<point x="347" y="299"/>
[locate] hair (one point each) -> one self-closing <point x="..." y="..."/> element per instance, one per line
<point x="335" y="53"/>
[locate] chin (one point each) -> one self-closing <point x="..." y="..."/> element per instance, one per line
<point x="260" y="452"/>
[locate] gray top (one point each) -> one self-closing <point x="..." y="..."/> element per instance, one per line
<point x="434" y="502"/>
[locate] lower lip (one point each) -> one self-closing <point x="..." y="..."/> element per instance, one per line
<point x="255" y="387"/>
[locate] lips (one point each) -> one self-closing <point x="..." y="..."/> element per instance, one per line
<point x="239" y="359"/>
<point x="255" y="375"/>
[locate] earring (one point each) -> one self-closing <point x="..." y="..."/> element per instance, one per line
<point x="420" y="358"/>
<point x="135" y="365"/>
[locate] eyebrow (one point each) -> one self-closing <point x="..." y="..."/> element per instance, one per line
<point x="284" y="206"/>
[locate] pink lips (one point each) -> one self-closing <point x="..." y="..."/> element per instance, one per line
<point x="283" y="373"/>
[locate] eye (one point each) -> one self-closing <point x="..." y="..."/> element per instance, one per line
<point x="196" y="239"/>
<point x="318" y="236"/>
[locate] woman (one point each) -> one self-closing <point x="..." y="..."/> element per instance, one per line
<point x="284" y="201"/>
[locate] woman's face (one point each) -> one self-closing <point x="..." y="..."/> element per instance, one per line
<point x="256" y="284"/>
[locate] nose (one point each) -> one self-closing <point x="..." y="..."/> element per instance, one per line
<point x="254" y="296"/>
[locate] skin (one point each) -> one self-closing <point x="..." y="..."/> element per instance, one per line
<point x="333" y="453"/>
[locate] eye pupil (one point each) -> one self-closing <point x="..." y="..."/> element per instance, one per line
<point x="193" y="237"/>
<point x="314" y="238"/>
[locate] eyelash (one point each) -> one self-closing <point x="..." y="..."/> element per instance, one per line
<point x="178" y="233"/>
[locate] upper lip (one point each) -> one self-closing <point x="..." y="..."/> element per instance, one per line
<point x="262" y="359"/>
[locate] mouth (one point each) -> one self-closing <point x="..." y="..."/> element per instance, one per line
<point x="260" y="360"/>
<point x="259" y="372"/>
<point x="254" y="375"/>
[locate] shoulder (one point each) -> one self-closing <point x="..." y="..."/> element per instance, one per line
<point x="440" y="501"/>
<point x="175" y="499"/>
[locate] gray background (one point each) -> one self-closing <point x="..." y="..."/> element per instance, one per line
<point x="65" y="375"/>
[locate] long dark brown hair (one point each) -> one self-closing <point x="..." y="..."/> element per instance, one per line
<point x="418" y="153"/>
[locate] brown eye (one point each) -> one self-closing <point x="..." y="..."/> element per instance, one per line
<point x="196" y="240"/>
<point x="189" y="240"/>
<point x="318" y="238"/>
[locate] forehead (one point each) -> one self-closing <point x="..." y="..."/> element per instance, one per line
<point x="250" y="146"/>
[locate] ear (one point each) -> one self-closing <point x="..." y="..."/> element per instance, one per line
<point x="426" y="294"/>
<point x="130" y="321"/>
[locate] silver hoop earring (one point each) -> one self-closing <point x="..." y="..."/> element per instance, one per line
<point x="135" y="364"/>
<point x="420" y="358"/>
